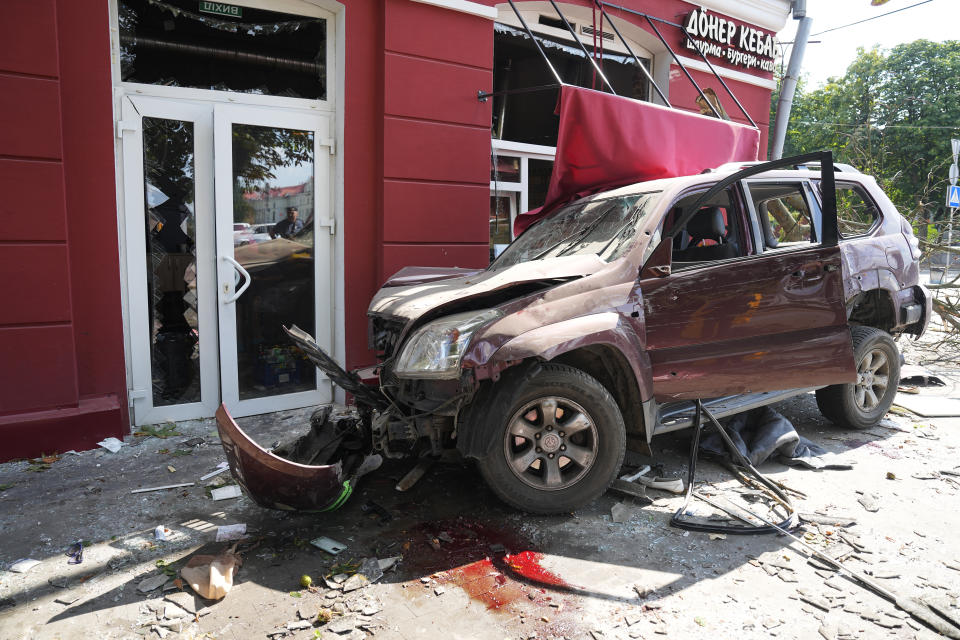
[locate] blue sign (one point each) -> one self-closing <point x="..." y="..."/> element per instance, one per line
<point x="953" y="196"/>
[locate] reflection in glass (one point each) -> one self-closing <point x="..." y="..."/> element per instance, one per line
<point x="501" y="232"/>
<point x="170" y="228"/>
<point x="273" y="171"/>
<point x="504" y="168"/>
<point x="186" y="43"/>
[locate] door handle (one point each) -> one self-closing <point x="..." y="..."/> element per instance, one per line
<point x="246" y="275"/>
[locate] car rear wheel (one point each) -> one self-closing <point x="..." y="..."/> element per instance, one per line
<point x="864" y="403"/>
<point x="559" y="441"/>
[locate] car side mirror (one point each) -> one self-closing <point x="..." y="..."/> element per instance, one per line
<point x="658" y="264"/>
<point x="660" y="271"/>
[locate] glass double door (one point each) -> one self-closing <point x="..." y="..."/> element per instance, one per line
<point x="228" y="238"/>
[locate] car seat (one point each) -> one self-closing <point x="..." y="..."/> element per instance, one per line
<point x="707" y="224"/>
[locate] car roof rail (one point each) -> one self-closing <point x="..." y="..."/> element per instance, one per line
<point x="838" y="167"/>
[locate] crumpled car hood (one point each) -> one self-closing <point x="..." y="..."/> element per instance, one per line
<point x="413" y="301"/>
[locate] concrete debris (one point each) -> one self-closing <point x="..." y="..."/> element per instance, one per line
<point x="831" y="521"/>
<point x="226" y="493"/>
<point x="370" y="569"/>
<point x="172" y="612"/>
<point x="870" y="502"/>
<point x="354" y="582"/>
<point x="341" y="625"/>
<point x="439" y="591"/>
<point x="828" y="631"/>
<point x="183" y="600"/>
<point x="299" y="624"/>
<point x="620" y="512"/>
<point x="229" y="532"/>
<point x="152" y="584"/>
<point x="388" y="563"/>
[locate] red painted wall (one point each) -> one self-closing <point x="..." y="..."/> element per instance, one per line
<point x="59" y="262"/>
<point x="416" y="190"/>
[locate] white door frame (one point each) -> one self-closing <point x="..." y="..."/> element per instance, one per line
<point x="334" y="105"/>
<point x="323" y="227"/>
<point x="133" y="110"/>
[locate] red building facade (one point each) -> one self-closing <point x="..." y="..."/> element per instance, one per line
<point x="148" y="148"/>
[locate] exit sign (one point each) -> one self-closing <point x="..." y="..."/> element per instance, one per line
<point x="221" y="9"/>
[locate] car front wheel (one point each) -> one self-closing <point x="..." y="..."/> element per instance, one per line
<point x="864" y="403"/>
<point x="559" y="441"/>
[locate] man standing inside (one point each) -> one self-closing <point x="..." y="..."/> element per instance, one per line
<point x="289" y="226"/>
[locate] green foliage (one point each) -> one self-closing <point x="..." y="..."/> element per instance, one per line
<point x="891" y="115"/>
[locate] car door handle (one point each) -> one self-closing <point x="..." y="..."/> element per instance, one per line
<point x="246" y="275"/>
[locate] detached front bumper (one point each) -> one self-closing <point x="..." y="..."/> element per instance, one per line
<point x="277" y="483"/>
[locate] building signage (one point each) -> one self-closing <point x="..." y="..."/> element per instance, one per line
<point x="221" y="9"/>
<point x="741" y="45"/>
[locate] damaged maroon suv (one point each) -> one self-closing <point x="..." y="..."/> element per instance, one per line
<point x="740" y="287"/>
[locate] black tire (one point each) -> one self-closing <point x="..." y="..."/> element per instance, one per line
<point x="586" y="417"/>
<point x="863" y="404"/>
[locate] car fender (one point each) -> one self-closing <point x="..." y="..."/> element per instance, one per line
<point x="607" y="328"/>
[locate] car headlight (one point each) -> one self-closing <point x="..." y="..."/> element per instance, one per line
<point x="435" y="349"/>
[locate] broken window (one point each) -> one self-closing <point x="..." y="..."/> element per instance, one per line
<point x="529" y="117"/>
<point x="213" y="45"/>
<point x="784" y="214"/>
<point x="856" y="212"/>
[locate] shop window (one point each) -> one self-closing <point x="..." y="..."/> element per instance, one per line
<point x="529" y="117"/>
<point x="180" y="43"/>
<point x="504" y="168"/>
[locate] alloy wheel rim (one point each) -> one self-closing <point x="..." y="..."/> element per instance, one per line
<point x="550" y="443"/>
<point x="873" y="377"/>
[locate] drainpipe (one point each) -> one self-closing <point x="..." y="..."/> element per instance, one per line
<point x="789" y="83"/>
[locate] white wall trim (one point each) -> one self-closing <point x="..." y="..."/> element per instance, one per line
<point x="464" y="6"/>
<point x="767" y="14"/>
<point x="733" y="74"/>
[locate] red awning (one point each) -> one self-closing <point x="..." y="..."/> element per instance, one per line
<point x="607" y="141"/>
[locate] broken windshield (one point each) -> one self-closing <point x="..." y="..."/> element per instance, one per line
<point x="605" y="227"/>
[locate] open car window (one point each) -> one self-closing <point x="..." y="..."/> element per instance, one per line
<point x="715" y="232"/>
<point x="606" y="227"/>
<point x="784" y="214"/>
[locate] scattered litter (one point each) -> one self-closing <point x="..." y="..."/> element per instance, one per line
<point x="620" y="512"/>
<point x="388" y="563"/>
<point x="223" y="466"/>
<point x="193" y="442"/>
<point x="329" y="545"/>
<point x="171" y="611"/>
<point x="372" y="507"/>
<point x="413" y="476"/>
<point x="161" y="533"/>
<point x="75" y="553"/>
<point x="354" y="582"/>
<point x="299" y="624"/>
<point x="23" y="565"/>
<point x="891" y="475"/>
<point x="439" y="591"/>
<point x="226" y="493"/>
<point x="152" y="584"/>
<point x="171" y="469"/>
<point x="211" y="576"/>
<point x="370" y="569"/>
<point x="720" y="536"/>
<point x="342" y="625"/>
<point x="111" y="444"/>
<point x="631" y="490"/>
<point x="306" y="581"/>
<point x="672" y="485"/>
<point x="67" y="598"/>
<point x="166" y="486"/>
<point x="231" y="532"/>
<point x="870" y="502"/>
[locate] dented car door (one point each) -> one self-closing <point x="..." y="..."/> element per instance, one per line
<point x="751" y="319"/>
